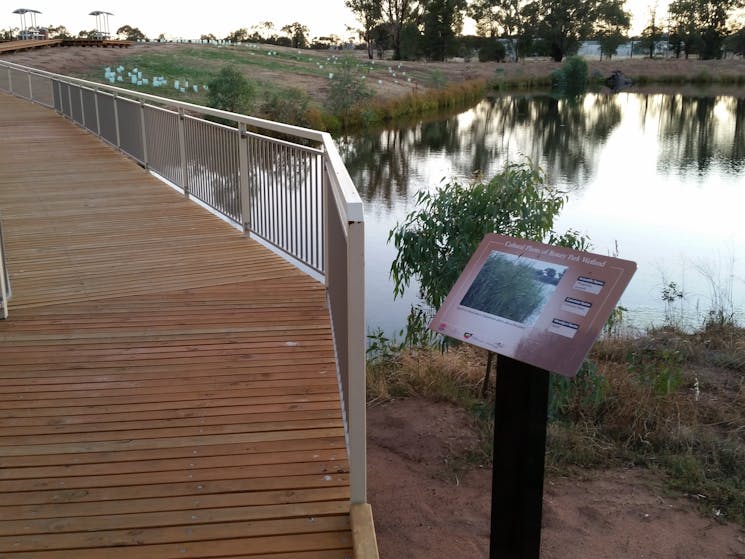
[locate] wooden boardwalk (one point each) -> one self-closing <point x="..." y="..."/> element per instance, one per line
<point x="167" y="386"/>
<point x="30" y="44"/>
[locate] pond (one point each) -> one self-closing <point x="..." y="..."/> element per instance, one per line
<point x="658" y="179"/>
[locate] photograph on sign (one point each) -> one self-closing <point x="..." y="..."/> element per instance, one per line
<point x="537" y="303"/>
<point x="525" y="286"/>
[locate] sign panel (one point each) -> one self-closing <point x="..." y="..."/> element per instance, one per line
<point x="540" y="304"/>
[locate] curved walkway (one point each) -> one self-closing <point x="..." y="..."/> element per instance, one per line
<point x="167" y="386"/>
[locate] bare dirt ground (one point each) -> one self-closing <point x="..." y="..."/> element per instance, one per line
<point x="425" y="508"/>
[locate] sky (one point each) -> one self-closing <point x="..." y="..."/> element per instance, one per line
<point x="178" y="20"/>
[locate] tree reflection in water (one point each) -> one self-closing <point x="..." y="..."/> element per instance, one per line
<point x="698" y="132"/>
<point x="566" y="136"/>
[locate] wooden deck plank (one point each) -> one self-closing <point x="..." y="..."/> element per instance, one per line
<point x="292" y="545"/>
<point x="167" y="386"/>
<point x="239" y="486"/>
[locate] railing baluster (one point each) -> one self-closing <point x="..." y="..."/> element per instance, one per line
<point x="245" y="186"/>
<point x="145" y="158"/>
<point x="116" y="121"/>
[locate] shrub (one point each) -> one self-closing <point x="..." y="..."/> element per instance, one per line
<point x="348" y="89"/>
<point x="572" y="76"/>
<point x="289" y="106"/>
<point x="231" y="91"/>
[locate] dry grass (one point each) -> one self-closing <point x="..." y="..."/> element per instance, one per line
<point x="667" y="400"/>
<point x="454" y="376"/>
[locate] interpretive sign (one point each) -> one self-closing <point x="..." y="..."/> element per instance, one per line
<point x="539" y="304"/>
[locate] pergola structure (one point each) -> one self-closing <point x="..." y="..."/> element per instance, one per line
<point x="29" y="30"/>
<point x="102" y="24"/>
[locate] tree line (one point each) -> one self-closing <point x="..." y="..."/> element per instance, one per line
<point x="432" y="28"/>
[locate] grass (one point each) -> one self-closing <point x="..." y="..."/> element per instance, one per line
<point x="197" y="65"/>
<point x="667" y="400"/>
<point x="429" y="90"/>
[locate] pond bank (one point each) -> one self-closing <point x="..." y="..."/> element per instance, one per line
<point x="401" y="88"/>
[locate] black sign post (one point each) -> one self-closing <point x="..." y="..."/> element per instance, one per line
<point x="520" y="415"/>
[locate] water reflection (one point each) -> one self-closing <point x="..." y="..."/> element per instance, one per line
<point x="697" y="132"/>
<point x="565" y="136"/>
<point x="637" y="167"/>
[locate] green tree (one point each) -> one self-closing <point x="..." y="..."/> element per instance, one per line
<point x="564" y="23"/>
<point x="129" y="33"/>
<point x="701" y="25"/>
<point x="443" y="20"/>
<point x="369" y="13"/>
<point x="231" y="91"/>
<point x="208" y="37"/>
<point x="736" y="42"/>
<point x="610" y="39"/>
<point x="652" y="33"/>
<point x="684" y="33"/>
<point x="503" y="18"/>
<point x="437" y="239"/>
<point x="298" y="34"/>
<point x="8" y="34"/>
<point x="262" y="31"/>
<point x="58" y="32"/>
<point x="397" y="14"/>
<point x="237" y="36"/>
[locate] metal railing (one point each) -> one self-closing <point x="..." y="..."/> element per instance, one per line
<point x="293" y="193"/>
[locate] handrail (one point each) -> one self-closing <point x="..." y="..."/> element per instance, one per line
<point x="297" y="198"/>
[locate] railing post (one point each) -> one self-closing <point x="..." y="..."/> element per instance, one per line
<point x="98" y="115"/>
<point x="182" y="151"/>
<point x="69" y="100"/>
<point x="357" y="419"/>
<point x="144" y="135"/>
<point x="82" y="107"/>
<point x="116" y="120"/>
<point x="244" y="186"/>
<point x="59" y="110"/>
<point x="325" y="186"/>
